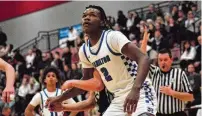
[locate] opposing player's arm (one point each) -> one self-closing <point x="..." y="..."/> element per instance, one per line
<point x="88" y="70"/>
<point x="10" y="79"/>
<point x="10" y="72"/>
<point x="81" y="106"/>
<point x="88" y="85"/>
<point x="143" y="48"/>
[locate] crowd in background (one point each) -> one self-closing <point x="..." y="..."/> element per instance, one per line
<point x="178" y="29"/>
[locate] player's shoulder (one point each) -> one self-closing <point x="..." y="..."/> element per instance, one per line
<point x="82" y="49"/>
<point x="113" y="33"/>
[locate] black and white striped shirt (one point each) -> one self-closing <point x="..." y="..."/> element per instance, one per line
<point x="177" y="79"/>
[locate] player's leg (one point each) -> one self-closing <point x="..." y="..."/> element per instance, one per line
<point x="114" y="110"/>
<point x="116" y="107"/>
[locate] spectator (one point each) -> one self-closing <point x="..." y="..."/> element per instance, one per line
<point x="66" y="56"/>
<point x="173" y="32"/>
<point x="158" y="42"/>
<point x="47" y="58"/>
<point x="181" y="22"/>
<point x="76" y="74"/>
<point x="194" y="11"/>
<point x="57" y="62"/>
<point x="29" y="61"/>
<point x="174" y="12"/>
<point x="197" y="62"/>
<point x="160" y="27"/>
<point x="37" y="63"/>
<point x="117" y="27"/>
<point x="130" y="21"/>
<point x="111" y="20"/>
<point x="73" y="35"/>
<point x="74" y="56"/>
<point x="181" y="18"/>
<point x="151" y="30"/>
<point x="195" y="82"/>
<point x="22" y="92"/>
<point x="188" y="55"/>
<point x="151" y="14"/>
<point x="67" y="72"/>
<point x="121" y="20"/>
<point x="186" y="6"/>
<point x="191" y="26"/>
<point x="160" y="20"/>
<point x="6" y="111"/>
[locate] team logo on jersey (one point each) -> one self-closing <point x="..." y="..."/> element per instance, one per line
<point x="101" y="61"/>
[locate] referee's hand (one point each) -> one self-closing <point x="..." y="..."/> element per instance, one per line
<point x="131" y="101"/>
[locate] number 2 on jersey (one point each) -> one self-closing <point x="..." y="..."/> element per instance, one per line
<point x="106" y="74"/>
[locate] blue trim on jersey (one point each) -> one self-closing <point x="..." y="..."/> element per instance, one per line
<point x="56" y="114"/>
<point x="84" y="50"/>
<point x="52" y="114"/>
<point x="41" y="101"/>
<point x="114" y="53"/>
<point x="102" y="36"/>
<point x="45" y="93"/>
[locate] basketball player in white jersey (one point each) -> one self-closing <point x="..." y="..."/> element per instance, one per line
<point x="50" y="79"/>
<point x="10" y="79"/>
<point x="115" y="57"/>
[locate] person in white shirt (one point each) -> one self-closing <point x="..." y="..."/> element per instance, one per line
<point x="29" y="60"/>
<point x="73" y="35"/>
<point x="188" y="55"/>
<point x="51" y="80"/>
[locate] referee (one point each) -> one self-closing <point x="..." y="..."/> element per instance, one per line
<point x="171" y="85"/>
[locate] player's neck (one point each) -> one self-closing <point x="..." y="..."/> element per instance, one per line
<point x="51" y="88"/>
<point x="94" y="37"/>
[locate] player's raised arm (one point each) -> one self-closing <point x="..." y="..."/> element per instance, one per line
<point x="10" y="79"/>
<point x="144" y="41"/>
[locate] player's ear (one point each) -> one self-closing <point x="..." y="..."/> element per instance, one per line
<point x="45" y="80"/>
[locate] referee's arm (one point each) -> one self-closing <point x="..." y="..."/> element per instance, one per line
<point x="186" y="95"/>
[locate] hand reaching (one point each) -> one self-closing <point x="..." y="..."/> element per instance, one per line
<point x="8" y="94"/>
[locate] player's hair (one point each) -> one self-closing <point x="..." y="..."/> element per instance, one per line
<point x="164" y="51"/>
<point x="51" y="69"/>
<point x="107" y="25"/>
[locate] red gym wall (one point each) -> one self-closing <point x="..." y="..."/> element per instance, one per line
<point x="12" y="9"/>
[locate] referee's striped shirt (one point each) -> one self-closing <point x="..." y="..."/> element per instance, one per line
<point x="177" y="79"/>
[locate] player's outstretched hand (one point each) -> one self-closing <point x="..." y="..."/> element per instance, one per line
<point x="52" y="102"/>
<point x="58" y="107"/>
<point x="67" y="85"/>
<point x="131" y="101"/>
<point x="8" y="94"/>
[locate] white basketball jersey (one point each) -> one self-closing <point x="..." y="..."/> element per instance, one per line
<point x="117" y="71"/>
<point x="44" y="96"/>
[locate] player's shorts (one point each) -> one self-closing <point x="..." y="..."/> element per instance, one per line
<point x="147" y="102"/>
